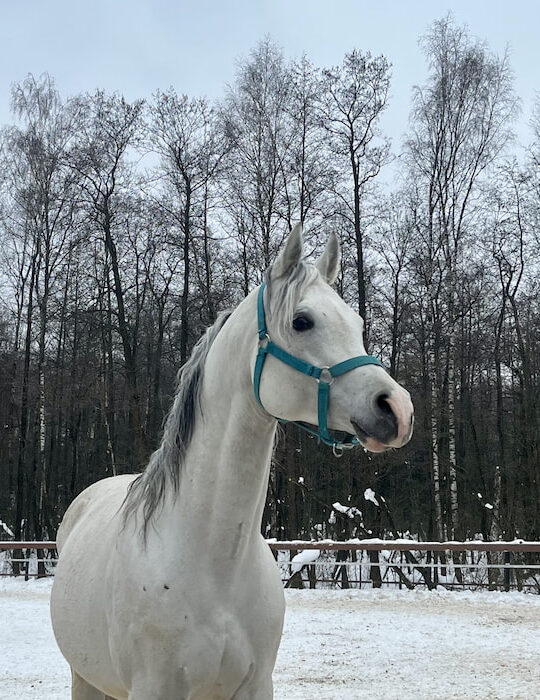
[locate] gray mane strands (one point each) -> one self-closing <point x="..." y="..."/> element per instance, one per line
<point x="165" y="465"/>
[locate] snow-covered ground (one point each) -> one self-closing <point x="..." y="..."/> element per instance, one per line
<point x="337" y="645"/>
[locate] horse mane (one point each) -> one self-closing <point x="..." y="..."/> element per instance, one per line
<point x="165" y="465"/>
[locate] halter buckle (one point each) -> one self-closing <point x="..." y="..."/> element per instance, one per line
<point x="326" y="381"/>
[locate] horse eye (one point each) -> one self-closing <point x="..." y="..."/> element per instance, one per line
<point x="302" y="323"/>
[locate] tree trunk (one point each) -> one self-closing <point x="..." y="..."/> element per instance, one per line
<point x="129" y="347"/>
<point x="21" y="459"/>
<point x="184" y="315"/>
<point x="452" y="463"/>
<point x="435" y="462"/>
<point x="359" y="243"/>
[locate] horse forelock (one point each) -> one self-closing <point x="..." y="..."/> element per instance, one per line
<point x="147" y="492"/>
<point x="283" y="295"/>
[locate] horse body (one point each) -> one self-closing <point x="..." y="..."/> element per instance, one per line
<point x="144" y="623"/>
<point x="193" y="610"/>
<point x="196" y="610"/>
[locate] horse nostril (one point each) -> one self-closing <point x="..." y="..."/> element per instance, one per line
<point x="384" y="406"/>
<point x="386" y="413"/>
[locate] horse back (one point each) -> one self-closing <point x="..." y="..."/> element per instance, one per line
<point x="109" y="493"/>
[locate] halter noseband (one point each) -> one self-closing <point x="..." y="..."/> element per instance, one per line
<point x="324" y="376"/>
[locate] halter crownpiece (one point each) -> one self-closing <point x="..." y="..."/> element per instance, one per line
<point x="324" y="375"/>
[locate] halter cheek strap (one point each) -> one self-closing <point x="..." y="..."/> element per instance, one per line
<point x="324" y="376"/>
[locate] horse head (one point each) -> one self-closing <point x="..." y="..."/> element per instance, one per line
<point x="316" y="369"/>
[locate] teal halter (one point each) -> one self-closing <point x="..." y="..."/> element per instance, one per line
<point x="324" y="376"/>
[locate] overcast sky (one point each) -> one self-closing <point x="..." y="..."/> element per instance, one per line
<point x="137" y="46"/>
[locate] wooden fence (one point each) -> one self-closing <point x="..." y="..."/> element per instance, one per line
<point x="358" y="563"/>
<point x="28" y="559"/>
<point x="407" y="563"/>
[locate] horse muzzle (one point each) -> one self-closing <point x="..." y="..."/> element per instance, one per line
<point x="388" y="423"/>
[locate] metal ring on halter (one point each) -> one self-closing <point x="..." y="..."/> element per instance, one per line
<point x="327" y="381"/>
<point x="338" y="450"/>
<point x="265" y="339"/>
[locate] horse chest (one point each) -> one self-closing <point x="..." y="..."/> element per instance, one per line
<point x="185" y="642"/>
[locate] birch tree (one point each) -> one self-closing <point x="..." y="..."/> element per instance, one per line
<point x="460" y="124"/>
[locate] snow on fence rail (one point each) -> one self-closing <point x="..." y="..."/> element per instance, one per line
<point x="356" y="563"/>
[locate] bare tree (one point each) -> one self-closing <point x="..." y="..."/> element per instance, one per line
<point x="184" y="134"/>
<point x="256" y="125"/>
<point x="353" y="97"/>
<point x="108" y="127"/>
<point x="309" y="173"/>
<point x="460" y="124"/>
<point x="392" y="237"/>
<point x="44" y="199"/>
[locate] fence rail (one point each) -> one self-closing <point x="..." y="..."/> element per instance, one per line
<point x="7" y="545"/>
<point x="358" y="563"/>
<point x="375" y="545"/>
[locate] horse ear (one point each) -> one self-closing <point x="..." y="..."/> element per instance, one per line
<point x="329" y="262"/>
<point x="291" y="253"/>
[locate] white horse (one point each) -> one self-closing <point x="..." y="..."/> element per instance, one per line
<point x="165" y="588"/>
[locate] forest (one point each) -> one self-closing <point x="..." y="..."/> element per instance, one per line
<point x="125" y="227"/>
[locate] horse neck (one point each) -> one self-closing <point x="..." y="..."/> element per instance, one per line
<point x="225" y="475"/>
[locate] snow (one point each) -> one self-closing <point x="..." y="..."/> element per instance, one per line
<point x="369" y="495"/>
<point x="349" y="511"/>
<point x="340" y="509"/>
<point x="390" y="644"/>
<point x="336" y="644"/>
<point x="306" y="556"/>
<point x="6" y="529"/>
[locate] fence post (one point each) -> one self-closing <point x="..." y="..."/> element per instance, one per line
<point x="507" y="571"/>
